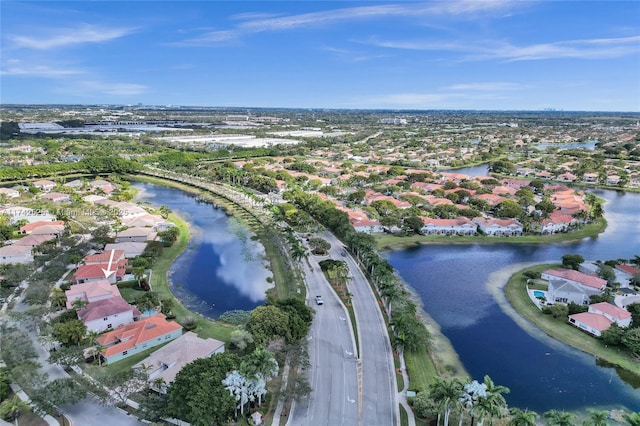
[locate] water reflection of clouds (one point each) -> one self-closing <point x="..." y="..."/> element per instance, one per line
<point x="241" y="262"/>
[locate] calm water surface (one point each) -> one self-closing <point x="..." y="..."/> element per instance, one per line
<point x="457" y="284"/>
<point x="222" y="268"/>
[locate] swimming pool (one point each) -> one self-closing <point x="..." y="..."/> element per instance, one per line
<point x="539" y="294"/>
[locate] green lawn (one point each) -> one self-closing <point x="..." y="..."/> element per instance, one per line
<point x="422" y="371"/>
<point x="559" y="328"/>
<point x="390" y="241"/>
<point x="130" y="290"/>
<point x="404" y="417"/>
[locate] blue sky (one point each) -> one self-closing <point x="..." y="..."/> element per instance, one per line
<point x="496" y="55"/>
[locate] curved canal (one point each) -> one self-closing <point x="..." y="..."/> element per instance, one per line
<point x="458" y="286"/>
<point x="223" y="267"/>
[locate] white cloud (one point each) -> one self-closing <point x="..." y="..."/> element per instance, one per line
<point x="257" y="23"/>
<point x="488" y="86"/>
<point x="39" y="71"/>
<point x="605" y="48"/>
<point x="70" y="36"/>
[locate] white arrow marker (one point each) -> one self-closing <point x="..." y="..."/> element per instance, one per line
<point x="351" y="400"/>
<point x="108" y="272"/>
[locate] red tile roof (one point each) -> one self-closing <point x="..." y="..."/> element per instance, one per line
<point x="104" y="257"/>
<point x="612" y="310"/>
<point x="31" y="226"/>
<point x="137" y="333"/>
<point x="104" y="308"/>
<point x="595" y="321"/>
<point x="577" y="276"/>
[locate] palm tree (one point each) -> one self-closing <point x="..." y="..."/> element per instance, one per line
<point x="596" y="418"/>
<point x="58" y="298"/>
<point x="559" y="418"/>
<point x="446" y="393"/>
<point x="633" y="419"/>
<point x="635" y="260"/>
<point x="164" y="211"/>
<point x="470" y="397"/>
<point x="13" y="408"/>
<point x="493" y="403"/>
<point x="522" y="418"/>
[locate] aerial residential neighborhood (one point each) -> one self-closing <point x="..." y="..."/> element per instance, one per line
<point x="320" y="213"/>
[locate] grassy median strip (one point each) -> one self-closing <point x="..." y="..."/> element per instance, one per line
<point x="560" y="329"/>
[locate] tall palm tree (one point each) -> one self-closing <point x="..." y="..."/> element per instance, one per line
<point x="470" y="398"/>
<point x="446" y="393"/>
<point x="522" y="418"/>
<point x="596" y="418"/>
<point x="559" y="418"/>
<point x="493" y="404"/>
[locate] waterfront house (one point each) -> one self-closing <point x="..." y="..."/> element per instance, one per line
<point x="591" y="323"/>
<point x="137" y="234"/>
<point x="618" y="315"/>
<point x="116" y="257"/>
<point x="91" y="292"/>
<point x="499" y="227"/>
<point x="131" y="339"/>
<point x="109" y="313"/>
<point x="556" y="222"/>
<point x="166" y="362"/>
<point x="130" y="249"/>
<point x="575" y="277"/>
<point x="99" y="271"/>
<point x="457" y="226"/>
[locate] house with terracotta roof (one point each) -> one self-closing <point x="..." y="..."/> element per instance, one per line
<point x="131" y="339"/>
<point x="575" y="277"/>
<point x="112" y="272"/>
<point x="107" y="314"/>
<point x="457" y="226"/>
<point x="556" y="222"/>
<point x="166" y="362"/>
<point x="91" y="292"/>
<point x="618" y="315"/>
<point x="51" y="230"/>
<point x="591" y="323"/>
<point x="366" y="225"/>
<point x="500" y="227"/>
<point x="30" y="227"/>
<point x="32" y="241"/>
<point x="114" y="256"/>
<point x="566" y="286"/>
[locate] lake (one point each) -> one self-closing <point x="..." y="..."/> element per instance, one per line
<point x="223" y="267"/>
<point x="457" y="284"/>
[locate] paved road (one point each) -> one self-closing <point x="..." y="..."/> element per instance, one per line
<point x="379" y="389"/>
<point x="334" y="399"/>
<point x="90" y="412"/>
